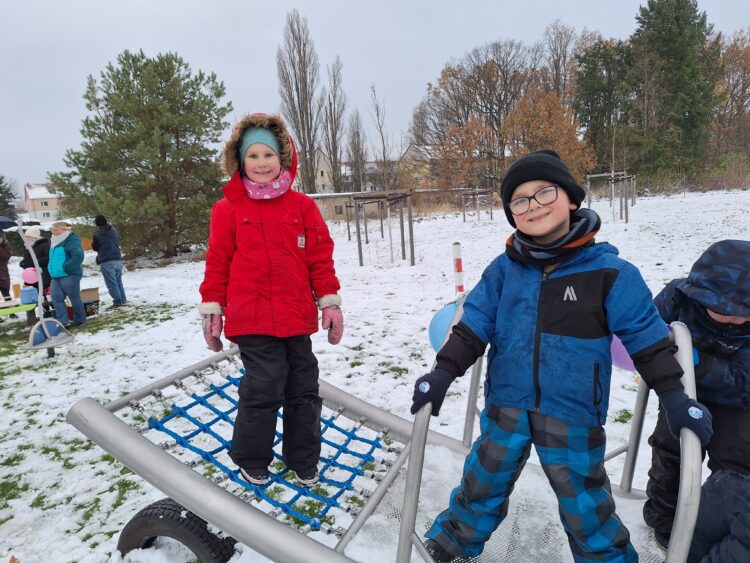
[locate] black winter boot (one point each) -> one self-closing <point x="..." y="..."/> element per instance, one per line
<point x="437" y="552"/>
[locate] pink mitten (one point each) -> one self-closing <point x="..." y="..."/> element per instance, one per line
<point x="333" y="322"/>
<point x="212" y="327"/>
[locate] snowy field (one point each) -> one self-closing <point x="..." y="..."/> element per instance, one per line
<point x="63" y="499"/>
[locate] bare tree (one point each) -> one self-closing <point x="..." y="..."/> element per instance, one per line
<point x="357" y="151"/>
<point x="485" y="85"/>
<point x="299" y="70"/>
<point x="334" y="106"/>
<point x="384" y="149"/>
<point x="558" y="44"/>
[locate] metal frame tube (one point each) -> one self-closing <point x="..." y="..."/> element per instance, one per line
<point x="411" y="228"/>
<point x="374" y="501"/>
<point x="688" y="499"/>
<point x="378" y="419"/>
<point x="242" y="521"/>
<point x="122" y="402"/>
<point x="634" y="439"/>
<point x="359" y="236"/>
<point x="413" y="484"/>
<point x="333" y="397"/>
<point x="471" y="402"/>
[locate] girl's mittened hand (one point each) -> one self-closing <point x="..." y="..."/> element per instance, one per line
<point x="333" y="322"/>
<point x="212" y="328"/>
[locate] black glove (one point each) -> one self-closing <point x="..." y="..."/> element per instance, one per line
<point x="431" y="388"/>
<point x="683" y="412"/>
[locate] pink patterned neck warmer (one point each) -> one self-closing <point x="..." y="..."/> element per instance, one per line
<point x="269" y="190"/>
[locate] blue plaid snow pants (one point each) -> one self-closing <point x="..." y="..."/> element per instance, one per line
<point x="573" y="460"/>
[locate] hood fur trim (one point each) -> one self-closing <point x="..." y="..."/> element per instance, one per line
<point x="229" y="160"/>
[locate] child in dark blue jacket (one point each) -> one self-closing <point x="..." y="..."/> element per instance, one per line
<point x="714" y="303"/>
<point x="548" y="307"/>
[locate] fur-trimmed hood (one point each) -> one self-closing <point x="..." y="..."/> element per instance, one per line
<point x="230" y="159"/>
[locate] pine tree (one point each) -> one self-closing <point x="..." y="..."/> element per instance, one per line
<point x="7" y="198"/>
<point x="147" y="161"/>
<point x="675" y="73"/>
<point x="601" y="95"/>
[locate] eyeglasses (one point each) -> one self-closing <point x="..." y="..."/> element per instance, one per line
<point x="543" y="196"/>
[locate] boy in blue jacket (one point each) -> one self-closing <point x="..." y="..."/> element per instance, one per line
<point x="548" y="307"/>
<point x="714" y="303"/>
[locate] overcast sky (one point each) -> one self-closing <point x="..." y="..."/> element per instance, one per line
<point x="49" y="47"/>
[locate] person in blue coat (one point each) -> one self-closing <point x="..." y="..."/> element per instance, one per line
<point x="714" y="303"/>
<point x="106" y="243"/>
<point x="65" y="269"/>
<point x="548" y="307"/>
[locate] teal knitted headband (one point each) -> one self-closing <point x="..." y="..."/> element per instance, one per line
<point x="253" y="135"/>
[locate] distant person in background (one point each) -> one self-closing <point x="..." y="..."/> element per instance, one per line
<point x="65" y="259"/>
<point x="106" y="243"/>
<point x="40" y="246"/>
<point x="5" y="253"/>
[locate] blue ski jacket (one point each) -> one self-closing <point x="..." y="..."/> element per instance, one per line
<point x="550" y="334"/>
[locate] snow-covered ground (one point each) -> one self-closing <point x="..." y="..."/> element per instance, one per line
<point x="64" y="499"/>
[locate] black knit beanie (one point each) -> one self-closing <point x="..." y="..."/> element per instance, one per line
<point x="540" y="165"/>
<point x="100" y="220"/>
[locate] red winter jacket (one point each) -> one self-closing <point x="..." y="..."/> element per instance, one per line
<point x="267" y="262"/>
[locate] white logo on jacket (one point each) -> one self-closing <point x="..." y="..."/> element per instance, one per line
<point x="570" y="294"/>
<point x="300" y="241"/>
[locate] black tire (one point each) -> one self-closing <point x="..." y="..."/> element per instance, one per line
<point x="167" y="518"/>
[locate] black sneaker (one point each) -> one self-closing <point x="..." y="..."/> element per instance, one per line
<point x="437" y="552"/>
<point x="662" y="539"/>
<point x="256" y="476"/>
<point x="307" y="478"/>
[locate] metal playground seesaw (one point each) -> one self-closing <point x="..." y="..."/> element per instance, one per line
<point x="175" y="434"/>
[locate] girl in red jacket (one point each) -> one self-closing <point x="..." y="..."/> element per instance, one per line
<point x="269" y="266"/>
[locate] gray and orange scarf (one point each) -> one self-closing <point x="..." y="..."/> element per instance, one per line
<point x="584" y="224"/>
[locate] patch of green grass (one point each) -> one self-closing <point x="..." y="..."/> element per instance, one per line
<point x="89" y="509"/>
<point x="310" y="508"/>
<point x="38" y="502"/>
<point x="357" y="348"/>
<point x="275" y="492"/>
<point x="356" y="363"/>
<point x="15" y="459"/>
<point x="320" y="490"/>
<point x="123" y="487"/>
<point x="57" y="455"/>
<point x="369" y="466"/>
<point x="623" y="416"/>
<point x="398" y="371"/>
<point x="356" y="500"/>
<point x="11" y="489"/>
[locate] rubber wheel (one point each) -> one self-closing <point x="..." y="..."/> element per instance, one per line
<point x="167" y="518"/>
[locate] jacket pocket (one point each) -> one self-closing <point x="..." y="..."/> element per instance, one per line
<point x="294" y="234"/>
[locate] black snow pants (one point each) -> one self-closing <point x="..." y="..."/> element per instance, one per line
<point x="278" y="372"/>
<point x="728" y="449"/>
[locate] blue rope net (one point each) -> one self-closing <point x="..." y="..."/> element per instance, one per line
<point x="203" y="425"/>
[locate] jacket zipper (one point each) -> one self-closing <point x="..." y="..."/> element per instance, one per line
<point x="537" y="343"/>
<point x="598" y="393"/>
